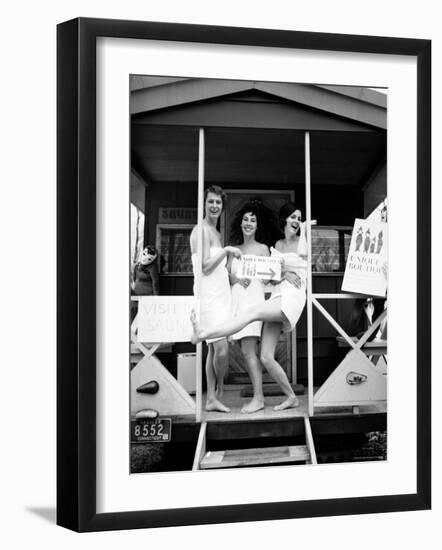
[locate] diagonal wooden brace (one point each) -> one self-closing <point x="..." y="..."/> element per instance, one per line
<point x="147" y="352"/>
<point x="349" y="340"/>
<point x="335" y="324"/>
<point x="372" y="328"/>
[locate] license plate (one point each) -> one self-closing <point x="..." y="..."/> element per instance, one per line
<point x="158" y="430"/>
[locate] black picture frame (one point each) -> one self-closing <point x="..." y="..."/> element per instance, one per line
<point x="76" y="273"/>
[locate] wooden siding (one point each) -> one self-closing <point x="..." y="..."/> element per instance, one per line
<point x="232" y="112"/>
<point x="252" y="157"/>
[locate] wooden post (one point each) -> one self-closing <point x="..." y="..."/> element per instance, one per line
<point x="198" y="273"/>
<point x="309" y="275"/>
<point x="294" y="358"/>
<point x="310" y="441"/>
<point x="200" y="450"/>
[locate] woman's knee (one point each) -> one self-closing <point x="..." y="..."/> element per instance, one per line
<point x="266" y="359"/>
<point x="250" y="356"/>
<point x="221" y="349"/>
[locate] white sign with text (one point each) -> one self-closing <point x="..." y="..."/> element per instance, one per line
<point x="259" y="267"/>
<point x="366" y="268"/>
<point x="164" y="319"/>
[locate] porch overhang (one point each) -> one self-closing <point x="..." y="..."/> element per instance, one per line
<point x="254" y="132"/>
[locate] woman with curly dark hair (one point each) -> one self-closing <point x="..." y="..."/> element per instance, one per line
<point x="251" y="225"/>
<point x="267" y="231"/>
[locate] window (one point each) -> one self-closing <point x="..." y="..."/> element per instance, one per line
<point x="330" y="246"/>
<point x="173" y="245"/>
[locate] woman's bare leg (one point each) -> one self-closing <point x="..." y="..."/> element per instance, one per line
<point x="210" y="374"/>
<point x="220" y="364"/>
<point x="215" y="374"/>
<point x="270" y="337"/>
<point x="267" y="311"/>
<point x="248" y="347"/>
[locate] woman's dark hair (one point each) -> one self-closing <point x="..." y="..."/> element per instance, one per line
<point x="266" y="231"/>
<point x="151" y="250"/>
<point x="284" y="212"/>
<point x="216" y="190"/>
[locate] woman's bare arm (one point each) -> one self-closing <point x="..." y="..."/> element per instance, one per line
<point x="155" y="276"/>
<point x="293" y="278"/>
<point x="302" y="246"/>
<point x="232" y="276"/>
<point x="211" y="262"/>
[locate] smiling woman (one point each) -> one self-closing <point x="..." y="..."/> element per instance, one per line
<point x="214" y="293"/>
<point x="214" y="198"/>
<point x="251" y="225"/>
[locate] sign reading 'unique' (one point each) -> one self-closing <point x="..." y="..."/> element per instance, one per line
<point x="366" y="268"/>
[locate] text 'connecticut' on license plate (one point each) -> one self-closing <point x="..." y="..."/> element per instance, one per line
<point x="158" y="430"/>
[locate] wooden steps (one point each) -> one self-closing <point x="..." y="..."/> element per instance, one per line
<point x="255" y="457"/>
<point x="250" y="443"/>
<point x="245" y="428"/>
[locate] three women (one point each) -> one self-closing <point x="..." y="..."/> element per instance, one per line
<point x="282" y="310"/>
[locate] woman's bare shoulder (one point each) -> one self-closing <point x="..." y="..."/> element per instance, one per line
<point x="206" y="232"/>
<point x="207" y="237"/>
<point x="264" y="250"/>
<point x="279" y="245"/>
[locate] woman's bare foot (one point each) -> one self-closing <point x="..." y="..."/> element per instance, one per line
<point x="215" y="405"/>
<point x="289" y="403"/>
<point x="252" y="406"/>
<point x="219" y="390"/>
<point x="195" y="338"/>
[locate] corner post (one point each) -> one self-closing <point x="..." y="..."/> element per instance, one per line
<point x="198" y="272"/>
<point x="309" y="274"/>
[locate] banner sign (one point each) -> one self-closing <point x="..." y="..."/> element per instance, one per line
<point x="177" y="215"/>
<point x="259" y="267"/>
<point x="366" y="268"/>
<point x="164" y="319"/>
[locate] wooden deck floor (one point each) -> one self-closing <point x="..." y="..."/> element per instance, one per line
<point x="235" y="402"/>
<point x="232" y="398"/>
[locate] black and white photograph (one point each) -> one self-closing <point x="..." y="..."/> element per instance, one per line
<point x="258" y="274"/>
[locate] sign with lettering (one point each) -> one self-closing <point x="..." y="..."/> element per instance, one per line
<point x="259" y="267"/>
<point x="366" y="268"/>
<point x="177" y="215"/>
<point x="164" y="318"/>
